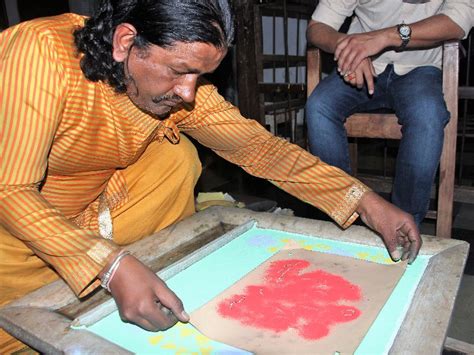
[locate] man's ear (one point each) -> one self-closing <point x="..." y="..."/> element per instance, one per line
<point x="124" y="36"/>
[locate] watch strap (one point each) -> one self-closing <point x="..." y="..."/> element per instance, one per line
<point x="405" y="39"/>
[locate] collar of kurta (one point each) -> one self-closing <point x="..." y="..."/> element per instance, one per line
<point x="167" y="129"/>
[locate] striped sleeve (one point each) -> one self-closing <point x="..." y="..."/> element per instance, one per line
<point x="218" y="125"/>
<point x="32" y="87"/>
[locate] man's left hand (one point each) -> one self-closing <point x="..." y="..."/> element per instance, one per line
<point x="354" y="48"/>
<point x="397" y="228"/>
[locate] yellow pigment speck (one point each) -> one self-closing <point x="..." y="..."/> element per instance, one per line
<point x="155" y="339"/>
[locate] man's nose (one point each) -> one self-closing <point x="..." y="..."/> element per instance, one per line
<point x="186" y="88"/>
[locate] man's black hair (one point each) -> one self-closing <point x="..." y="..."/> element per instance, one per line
<point x="158" y="22"/>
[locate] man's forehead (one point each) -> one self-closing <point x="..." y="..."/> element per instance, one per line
<point x="189" y="56"/>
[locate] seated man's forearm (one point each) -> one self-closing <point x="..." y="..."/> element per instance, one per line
<point x="323" y="36"/>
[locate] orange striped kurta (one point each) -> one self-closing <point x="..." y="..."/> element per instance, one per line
<point x="65" y="139"/>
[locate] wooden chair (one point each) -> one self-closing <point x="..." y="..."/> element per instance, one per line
<point x="374" y="125"/>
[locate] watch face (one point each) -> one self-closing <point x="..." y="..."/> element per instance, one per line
<point x="404" y="30"/>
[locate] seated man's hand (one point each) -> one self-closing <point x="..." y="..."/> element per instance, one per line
<point x="143" y="298"/>
<point x="397" y="228"/>
<point x="352" y="49"/>
<point x="365" y="72"/>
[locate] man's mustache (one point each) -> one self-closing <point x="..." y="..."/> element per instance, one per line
<point x="173" y="98"/>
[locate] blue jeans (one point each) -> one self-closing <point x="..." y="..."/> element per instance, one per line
<point x="418" y="102"/>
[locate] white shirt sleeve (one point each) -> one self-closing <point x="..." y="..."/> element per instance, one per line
<point x="461" y="12"/>
<point x="333" y="13"/>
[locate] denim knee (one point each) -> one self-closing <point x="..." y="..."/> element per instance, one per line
<point x="418" y="99"/>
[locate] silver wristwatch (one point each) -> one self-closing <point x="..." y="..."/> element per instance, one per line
<point x="404" y="31"/>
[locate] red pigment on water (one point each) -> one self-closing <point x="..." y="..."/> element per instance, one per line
<point x="289" y="298"/>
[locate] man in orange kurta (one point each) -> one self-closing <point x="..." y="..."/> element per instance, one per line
<point x="93" y="157"/>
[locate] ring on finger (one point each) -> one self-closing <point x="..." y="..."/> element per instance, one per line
<point x="349" y="76"/>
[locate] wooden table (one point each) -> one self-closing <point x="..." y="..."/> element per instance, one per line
<point x="43" y="318"/>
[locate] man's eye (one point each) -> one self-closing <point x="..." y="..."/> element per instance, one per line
<point x="175" y="72"/>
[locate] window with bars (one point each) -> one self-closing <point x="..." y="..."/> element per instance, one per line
<point x="275" y="92"/>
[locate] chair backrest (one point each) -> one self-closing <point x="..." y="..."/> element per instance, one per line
<point x="448" y="157"/>
<point x="375" y="125"/>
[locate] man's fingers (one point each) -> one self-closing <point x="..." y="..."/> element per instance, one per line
<point x="345" y="60"/>
<point x="350" y="78"/>
<point x="404" y="248"/>
<point x="405" y="254"/>
<point x="160" y="317"/>
<point x="393" y="248"/>
<point x="410" y="231"/>
<point x="395" y="254"/>
<point x="360" y="79"/>
<point x="150" y="318"/>
<point x="170" y="318"/>
<point x="174" y="304"/>
<point x="145" y="324"/>
<point x="401" y="239"/>
<point x="144" y="299"/>
<point x="372" y="69"/>
<point x="343" y="56"/>
<point x="362" y="75"/>
<point x="415" y="246"/>
<point x="340" y="46"/>
<point x="356" y="60"/>
<point x="369" y="80"/>
<point x="395" y="226"/>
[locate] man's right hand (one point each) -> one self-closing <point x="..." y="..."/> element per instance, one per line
<point x="396" y="227"/>
<point x="364" y="72"/>
<point x="143" y="298"/>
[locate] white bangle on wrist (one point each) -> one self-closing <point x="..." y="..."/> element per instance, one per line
<point x="109" y="274"/>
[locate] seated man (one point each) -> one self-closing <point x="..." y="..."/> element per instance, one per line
<point x="391" y="58"/>
<point x="94" y="158"/>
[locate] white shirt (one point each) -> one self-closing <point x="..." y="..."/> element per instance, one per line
<point x="373" y="15"/>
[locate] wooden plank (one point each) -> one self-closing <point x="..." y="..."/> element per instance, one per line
<point x="270" y="88"/>
<point x="51" y="333"/>
<point x="418" y="333"/>
<point x="448" y="156"/>
<point x="271" y="59"/>
<point x="459" y="346"/>
<point x="78" y="307"/>
<point x="20" y="318"/>
<point x="295" y="104"/>
<point x="26" y="317"/>
<point x="373" y="125"/>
